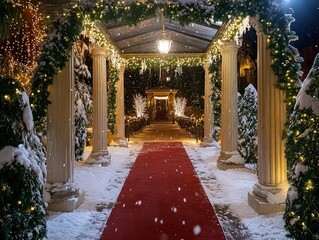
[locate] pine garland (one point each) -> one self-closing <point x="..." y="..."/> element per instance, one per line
<point x="166" y="63"/>
<point x="111" y="108"/>
<point x="54" y="54"/>
<point x="55" y="50"/>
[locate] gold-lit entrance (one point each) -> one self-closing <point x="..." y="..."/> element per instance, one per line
<point x="160" y="102"/>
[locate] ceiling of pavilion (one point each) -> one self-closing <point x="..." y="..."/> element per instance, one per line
<point x="142" y="38"/>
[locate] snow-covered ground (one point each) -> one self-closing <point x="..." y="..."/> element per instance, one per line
<point x="227" y="191"/>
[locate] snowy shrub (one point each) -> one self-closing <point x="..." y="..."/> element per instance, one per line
<point x="83" y="100"/>
<point x="111" y="101"/>
<point x="80" y="129"/>
<point x="247" y="125"/>
<point x="139" y="105"/>
<point x="22" y="167"/>
<point x="179" y="106"/>
<point x="302" y="153"/>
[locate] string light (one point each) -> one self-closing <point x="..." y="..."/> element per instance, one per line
<point x="309" y="185"/>
<point x="5" y="187"/>
<point x="22" y="46"/>
<point x="167" y="62"/>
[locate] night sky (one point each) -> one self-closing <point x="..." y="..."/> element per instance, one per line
<point x="306" y="25"/>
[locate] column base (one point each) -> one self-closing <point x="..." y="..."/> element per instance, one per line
<point x="64" y="197"/>
<point x="119" y="142"/>
<point x="101" y="157"/>
<point x="230" y="160"/>
<point x="268" y="199"/>
<point x="208" y="142"/>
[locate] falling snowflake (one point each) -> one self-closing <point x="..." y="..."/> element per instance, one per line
<point x="196" y="230"/>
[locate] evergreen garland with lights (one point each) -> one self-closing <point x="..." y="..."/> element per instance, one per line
<point x="302" y="152"/>
<point x="56" y="48"/>
<point x="55" y="52"/>
<point x="22" y="167"/>
<point x="165" y="63"/>
<point x="113" y="77"/>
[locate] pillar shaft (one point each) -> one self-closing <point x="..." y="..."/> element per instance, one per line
<point x="229" y="106"/>
<point x="272" y="167"/>
<point x="208" y="111"/>
<point x="63" y="193"/>
<point x="60" y="146"/>
<point x="229" y="155"/>
<point x="120" y="113"/>
<point x="99" y="151"/>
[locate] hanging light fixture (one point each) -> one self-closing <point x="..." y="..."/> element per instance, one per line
<point x="164" y="44"/>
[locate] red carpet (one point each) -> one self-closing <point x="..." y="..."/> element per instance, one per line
<point x="162" y="199"/>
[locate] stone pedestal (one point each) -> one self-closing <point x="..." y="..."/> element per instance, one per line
<point x="229" y="156"/>
<point x="60" y="144"/>
<point x="208" y="116"/>
<point x="120" y="114"/>
<point x="64" y="197"/>
<point x="100" y="154"/>
<point x="269" y="193"/>
<point x="268" y="199"/>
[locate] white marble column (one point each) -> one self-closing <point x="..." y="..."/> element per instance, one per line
<point x="120" y="114"/>
<point x="229" y="156"/>
<point x="269" y="193"/>
<point x="63" y="193"/>
<point x="208" y="111"/>
<point x="99" y="154"/>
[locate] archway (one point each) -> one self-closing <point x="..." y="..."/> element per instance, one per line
<point x="58" y="45"/>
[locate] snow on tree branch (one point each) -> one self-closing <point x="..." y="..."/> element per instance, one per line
<point x="139" y="105"/>
<point x="179" y="106"/>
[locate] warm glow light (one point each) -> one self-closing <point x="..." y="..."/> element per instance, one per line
<point x="161" y="98"/>
<point x="164" y="45"/>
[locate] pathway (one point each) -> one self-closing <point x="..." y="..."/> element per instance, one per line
<point x="162" y="131"/>
<point x="162" y="199"/>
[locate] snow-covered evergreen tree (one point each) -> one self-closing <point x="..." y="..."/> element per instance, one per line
<point x="113" y="74"/>
<point x="83" y="99"/>
<point x="139" y="105"/>
<point x="179" y="106"/>
<point x="22" y="167"/>
<point x="302" y="152"/>
<point x="80" y="129"/>
<point x="247" y="127"/>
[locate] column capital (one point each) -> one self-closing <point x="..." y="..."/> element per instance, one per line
<point x="99" y="51"/>
<point x="255" y="23"/>
<point x="229" y="47"/>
